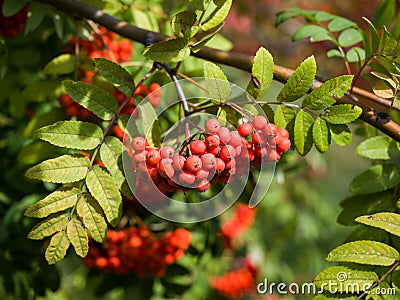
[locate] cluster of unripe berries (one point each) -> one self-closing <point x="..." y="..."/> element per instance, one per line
<point x="106" y="45"/>
<point x="12" y="25"/>
<point x="221" y="154"/>
<point x="137" y="250"/>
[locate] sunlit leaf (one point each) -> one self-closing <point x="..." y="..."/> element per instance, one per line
<point x="303" y="138"/>
<point x="170" y="51"/>
<point x="321" y="135"/>
<point x="218" y="15"/>
<point x="77" y="235"/>
<point x="62" y="64"/>
<point x="217" y="83"/>
<point x="283" y="115"/>
<point x="49" y="226"/>
<point x="387" y="221"/>
<point x="57" y="249"/>
<point x="262" y="72"/>
<point x="342" y="114"/>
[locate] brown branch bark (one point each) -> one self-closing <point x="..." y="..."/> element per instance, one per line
<point x="371" y="104"/>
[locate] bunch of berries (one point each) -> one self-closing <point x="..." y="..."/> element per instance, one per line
<point x="139" y="251"/>
<point x="220" y="155"/>
<point x="12" y="25"/>
<point x="106" y="45"/>
<point x="237" y="283"/>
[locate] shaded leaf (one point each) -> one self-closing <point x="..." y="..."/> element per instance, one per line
<point x="321" y="135"/>
<point x="57" y="201"/>
<point x="63" y="169"/>
<point x="77" y="235"/>
<point x="342" y="114"/>
<point x="364" y="252"/>
<point x="218" y="15"/>
<point x="283" y="115"/>
<point x="57" y="249"/>
<point x="217" y="84"/>
<point x="92" y="216"/>
<point x="102" y="187"/>
<point x="95" y="99"/>
<point x="339" y="23"/>
<point x="384" y="13"/>
<point x="300" y="81"/>
<point x="349" y="37"/>
<point x="170" y="51"/>
<point x="323" y="95"/>
<point x="60" y="65"/>
<point x="377" y="147"/>
<point x="383" y="90"/>
<point x="183" y="24"/>
<point x="377" y="178"/>
<point x="303" y="138"/>
<point x="334" y="53"/>
<point x="387" y="221"/>
<point x="196" y="47"/>
<point x="314" y="32"/>
<point x="11" y="7"/>
<point x="49" y="226"/>
<point x="374" y="36"/>
<point x="115" y="74"/>
<point x="355" y="54"/>
<point x="110" y="154"/>
<point x="71" y="134"/>
<point x="341" y="134"/>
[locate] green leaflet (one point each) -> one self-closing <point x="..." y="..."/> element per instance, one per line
<point x="62" y="64"/>
<point x="49" y="226"/>
<point x="63" y="169"/>
<point x="349" y="37"/>
<point x="283" y="115"/>
<point x="341" y="277"/>
<point x="303" y="139"/>
<point x="374" y="36"/>
<point x="196" y="47"/>
<point x="323" y="95"/>
<point x="217" y="84"/>
<point x="170" y="51"/>
<point x="95" y="99"/>
<point x="71" y="134"/>
<point x="321" y="135"/>
<point x="364" y="252"/>
<point x="183" y="24"/>
<point x="341" y="134"/>
<point x="92" y="216"/>
<point x="115" y="74"/>
<point x="315" y="32"/>
<point x="59" y="200"/>
<point x="57" y="249"/>
<point x="11" y="7"/>
<point x="262" y="72"/>
<point x="342" y="114"/>
<point x="339" y="24"/>
<point x="110" y="154"/>
<point x="77" y="235"/>
<point x="387" y="221"/>
<point x="378" y="147"/>
<point x="218" y="15"/>
<point x="102" y="187"/>
<point x="377" y="178"/>
<point x="300" y="81"/>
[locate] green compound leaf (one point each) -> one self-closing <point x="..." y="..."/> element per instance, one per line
<point x="364" y="252"/>
<point x="71" y="134"/>
<point x="378" y="147"/>
<point x="350" y="37"/>
<point x="303" y="138"/>
<point x="283" y="115"/>
<point x="93" y="98"/>
<point x="323" y="95"/>
<point x="321" y="135"/>
<point x="102" y="187"/>
<point x="115" y="74"/>
<point x="57" y="201"/>
<point x="300" y="81"/>
<point x="342" y="114"/>
<point x="314" y="32"/>
<point x="92" y="216"/>
<point x="341" y="134"/>
<point x="341" y="278"/>
<point x="387" y="221"/>
<point x="183" y="24"/>
<point x="62" y="64"/>
<point x="262" y="72"/>
<point x="377" y="178"/>
<point x="217" y="84"/>
<point x="110" y="154"/>
<point x="77" y="235"/>
<point x="49" y="226"/>
<point x="170" y="51"/>
<point x="57" y="249"/>
<point x="218" y="15"/>
<point x="63" y="169"/>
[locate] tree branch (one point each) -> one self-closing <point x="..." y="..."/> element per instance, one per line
<point x="372" y="105"/>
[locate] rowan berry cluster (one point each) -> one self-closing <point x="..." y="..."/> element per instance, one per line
<point x="106" y="45"/>
<point x="237" y="283"/>
<point x="136" y="250"/>
<point x="11" y="26"/>
<point x="216" y="158"/>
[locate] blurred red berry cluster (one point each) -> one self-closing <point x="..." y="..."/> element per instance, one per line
<point x="12" y="25"/>
<point x="137" y="250"/>
<point x="236" y="283"/>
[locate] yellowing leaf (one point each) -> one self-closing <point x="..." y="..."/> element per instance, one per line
<point x="57" y="249"/>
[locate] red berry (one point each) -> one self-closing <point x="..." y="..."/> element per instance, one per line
<point x="208" y="161"/>
<point x="284" y="145"/>
<point x="224" y="135"/>
<point x="245" y="129"/>
<point x="214" y="151"/>
<point x="212" y="141"/>
<point x="202" y="174"/>
<point x="198" y="147"/>
<point x="178" y="162"/>
<point x="193" y="163"/>
<point x="153" y="157"/>
<point x="212" y="126"/>
<point x="236" y="139"/>
<point x="139" y="143"/>
<point x="165" y="168"/>
<point x="220" y="165"/>
<point x="283" y="132"/>
<point x="227" y="153"/>
<point x="273" y="155"/>
<point x="139" y="156"/>
<point x="167" y="152"/>
<point x="259" y="122"/>
<point x="186" y="178"/>
<point x="203" y="185"/>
